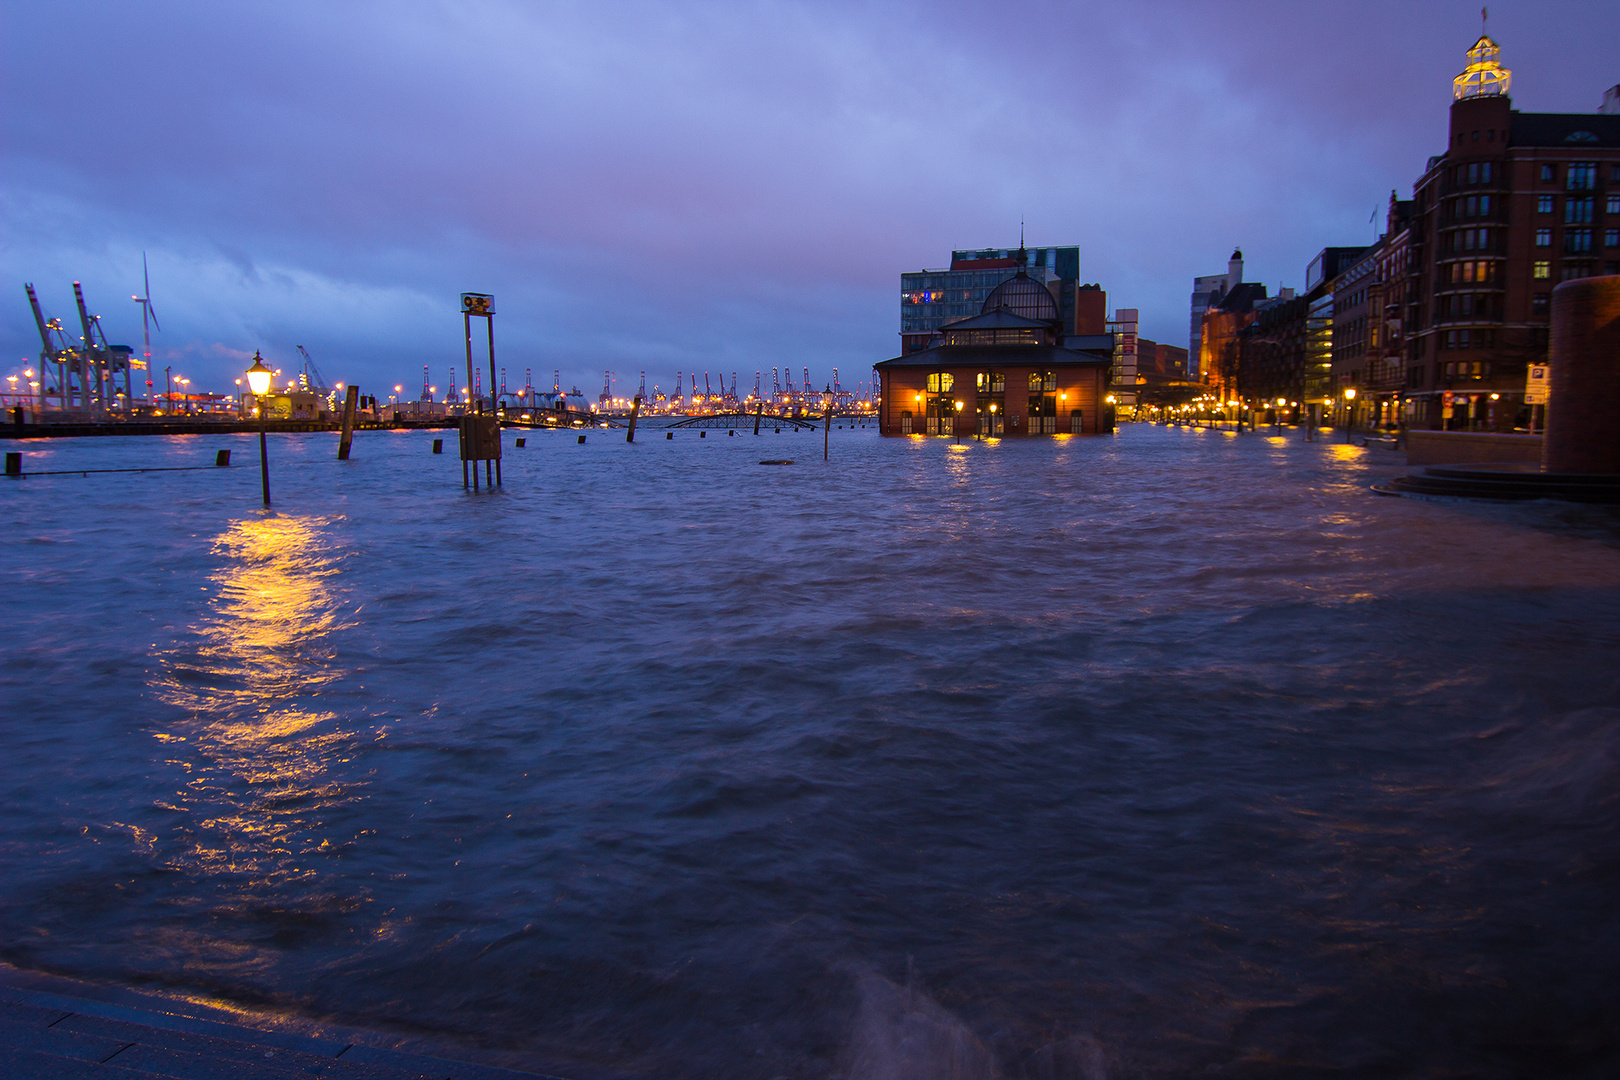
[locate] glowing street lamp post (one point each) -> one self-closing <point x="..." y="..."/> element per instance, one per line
<point x="258" y="377"/>
<point x="1349" y="410"/>
<point x="958" y="423"/>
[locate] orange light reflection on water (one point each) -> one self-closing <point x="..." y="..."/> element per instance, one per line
<point x="260" y="746"/>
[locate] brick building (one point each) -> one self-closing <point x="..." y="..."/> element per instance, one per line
<point x="1220" y="343"/>
<point x="1517" y="203"/>
<point x="1013" y="369"/>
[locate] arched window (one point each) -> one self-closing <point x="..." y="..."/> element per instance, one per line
<point x="1043" y="380"/>
<point x="940" y="382"/>
<point x="992" y="382"/>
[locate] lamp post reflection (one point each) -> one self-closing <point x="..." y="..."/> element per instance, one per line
<point x="263" y="753"/>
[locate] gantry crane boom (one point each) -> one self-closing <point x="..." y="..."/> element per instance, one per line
<point x="313" y="379"/>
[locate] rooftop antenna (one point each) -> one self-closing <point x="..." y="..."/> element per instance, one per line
<point x="146" y="333"/>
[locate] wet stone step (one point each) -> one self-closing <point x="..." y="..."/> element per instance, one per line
<point x="145" y="1041"/>
<point x="18" y="1064"/>
<point x="47" y="1036"/>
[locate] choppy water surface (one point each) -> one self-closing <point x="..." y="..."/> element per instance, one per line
<point x="1174" y="753"/>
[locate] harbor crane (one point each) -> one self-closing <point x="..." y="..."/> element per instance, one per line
<point x="54" y="355"/>
<point x="99" y="363"/>
<point x="310" y="377"/>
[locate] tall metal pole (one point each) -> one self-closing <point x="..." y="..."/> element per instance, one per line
<point x="490" y="320"/>
<point x="466" y="322"/>
<point x="264" y="456"/>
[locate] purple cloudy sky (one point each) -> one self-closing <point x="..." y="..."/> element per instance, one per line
<point x="688" y="186"/>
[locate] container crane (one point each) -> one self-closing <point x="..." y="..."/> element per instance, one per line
<point x="58" y="354"/>
<point x="310" y="377"/>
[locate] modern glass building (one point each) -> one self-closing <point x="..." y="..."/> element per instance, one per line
<point x="931" y="298"/>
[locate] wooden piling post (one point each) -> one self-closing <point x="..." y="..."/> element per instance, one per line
<point x="635" y="410"/>
<point x="826" y="435"/>
<point x="351" y="398"/>
<point x="759" y="412"/>
<point x="13" y="463"/>
<point x="222" y="458"/>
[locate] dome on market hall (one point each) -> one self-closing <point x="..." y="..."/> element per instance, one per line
<point x="1022" y="295"/>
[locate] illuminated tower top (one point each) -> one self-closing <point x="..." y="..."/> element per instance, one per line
<point x="1484" y="76"/>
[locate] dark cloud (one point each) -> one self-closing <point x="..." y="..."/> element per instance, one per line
<point x="724" y="186"/>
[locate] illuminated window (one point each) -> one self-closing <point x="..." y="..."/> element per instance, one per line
<point x="1544" y="204"/>
<point x="941" y="382"/>
<point x="992" y="382"/>
<point x="1582" y="176"/>
<point x="1543" y="238"/>
<point x="1043" y="380"/>
<point x="1542" y="270"/>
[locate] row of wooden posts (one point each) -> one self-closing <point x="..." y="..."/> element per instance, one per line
<point x="759" y="414"/>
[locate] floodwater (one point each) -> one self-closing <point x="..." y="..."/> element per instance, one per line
<point x="1174" y="753"/>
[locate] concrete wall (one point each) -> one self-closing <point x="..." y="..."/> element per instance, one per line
<point x="1465" y="447"/>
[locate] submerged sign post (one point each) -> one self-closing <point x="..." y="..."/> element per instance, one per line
<point x="480" y="432"/>
<point x="480" y="441"/>
<point x="483" y="306"/>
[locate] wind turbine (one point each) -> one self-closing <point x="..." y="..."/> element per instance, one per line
<point x="146" y="333"/>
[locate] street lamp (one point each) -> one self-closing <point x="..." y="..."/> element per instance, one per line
<point x="1349" y="410"/>
<point x="258" y="377"/>
<point x="958" y="423"/>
